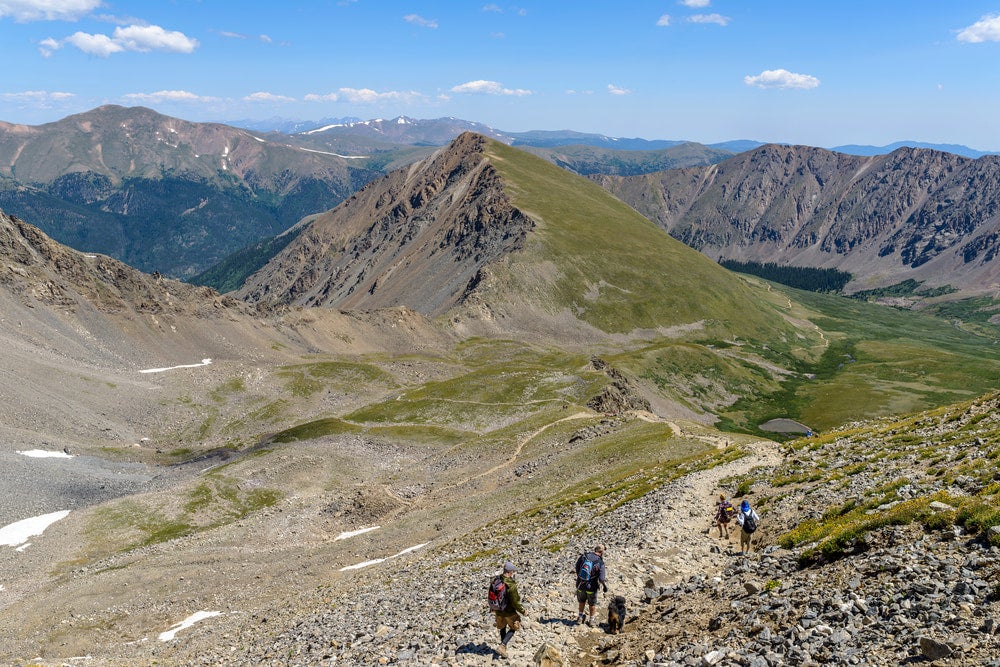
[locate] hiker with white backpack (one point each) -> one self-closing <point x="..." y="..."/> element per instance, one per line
<point x="748" y="520"/>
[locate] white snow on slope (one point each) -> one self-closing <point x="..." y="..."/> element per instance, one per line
<point x="17" y="533"/>
<point x="44" y="454"/>
<point x="352" y="533"/>
<point x="358" y="566"/>
<point x="187" y="623"/>
<point x="204" y="362"/>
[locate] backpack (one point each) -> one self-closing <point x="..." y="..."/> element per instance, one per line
<point x="726" y="511"/>
<point x="586" y="571"/>
<point x="496" y="595"/>
<point x="749" y="523"/>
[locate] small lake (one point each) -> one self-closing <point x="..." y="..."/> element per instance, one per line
<point x="785" y="426"/>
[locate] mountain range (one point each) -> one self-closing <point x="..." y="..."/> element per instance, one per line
<point x="551" y="138"/>
<point x="161" y="193"/>
<point x="915" y="214"/>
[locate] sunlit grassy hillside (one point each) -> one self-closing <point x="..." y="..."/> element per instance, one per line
<point x="616" y="270"/>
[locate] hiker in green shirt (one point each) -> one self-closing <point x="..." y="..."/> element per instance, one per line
<point x="508" y="620"/>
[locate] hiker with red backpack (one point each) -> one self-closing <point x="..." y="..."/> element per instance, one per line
<point x="590" y="576"/>
<point x="505" y="602"/>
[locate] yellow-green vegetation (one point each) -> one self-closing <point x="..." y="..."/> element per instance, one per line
<point x="232" y="386"/>
<point x="304" y="380"/>
<point x="316" y="429"/>
<point x="614" y="268"/>
<point x="895" y="470"/>
<point x="507" y="382"/>
<point x="216" y="500"/>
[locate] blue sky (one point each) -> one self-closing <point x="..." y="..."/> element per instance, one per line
<point x="801" y="71"/>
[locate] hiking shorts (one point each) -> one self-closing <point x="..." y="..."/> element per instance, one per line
<point x="590" y="597"/>
<point x="508" y="619"/>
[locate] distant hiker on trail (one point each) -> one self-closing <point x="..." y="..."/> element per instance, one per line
<point x="590" y="575"/>
<point x="505" y="602"/>
<point x="748" y="520"/>
<point x="724" y="511"/>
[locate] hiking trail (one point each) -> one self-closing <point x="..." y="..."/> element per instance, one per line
<point x="675" y="545"/>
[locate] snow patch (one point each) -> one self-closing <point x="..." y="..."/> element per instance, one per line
<point x="346" y="157"/>
<point x="328" y="127"/>
<point x="204" y="362"/>
<point x="17" y="533"/>
<point x="187" y="623"/>
<point x="367" y="563"/>
<point x="44" y="454"/>
<point x="352" y="533"/>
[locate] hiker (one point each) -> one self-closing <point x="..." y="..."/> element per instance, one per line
<point x="507" y="606"/>
<point x="748" y="520"/>
<point x="590" y="575"/>
<point x="723" y="513"/>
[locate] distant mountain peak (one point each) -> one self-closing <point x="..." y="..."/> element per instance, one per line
<point x="416" y="237"/>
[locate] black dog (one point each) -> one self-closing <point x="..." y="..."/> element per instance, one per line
<point x="616" y="614"/>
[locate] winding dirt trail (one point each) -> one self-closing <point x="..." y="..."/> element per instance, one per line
<point x="510" y="460"/>
<point x="682" y="542"/>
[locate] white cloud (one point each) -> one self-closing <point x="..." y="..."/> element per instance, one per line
<point x="47" y="46"/>
<point x="416" y="19"/>
<point x="663" y="20"/>
<point x="781" y="78"/>
<point x="141" y="38"/>
<point x="267" y="97"/>
<point x="365" y="96"/>
<point x="617" y="90"/>
<point x="237" y="35"/>
<point x="369" y="96"/>
<point x="718" y="19"/>
<point x="492" y="8"/>
<point x="154" y="38"/>
<point x="328" y="97"/>
<point x="95" y="45"/>
<point x="168" y="96"/>
<point x="986" y="29"/>
<point x="36" y="97"/>
<point x="482" y="87"/>
<point x="47" y="10"/>
<point x="698" y="4"/>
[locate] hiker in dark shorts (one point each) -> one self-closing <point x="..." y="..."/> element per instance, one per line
<point x="508" y="621"/>
<point x="724" y="511"/>
<point x="590" y="576"/>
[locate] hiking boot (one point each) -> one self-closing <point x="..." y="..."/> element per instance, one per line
<point x="591" y="623"/>
<point x="502" y="650"/>
<point x="581" y="619"/>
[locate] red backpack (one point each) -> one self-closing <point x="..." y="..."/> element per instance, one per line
<point x="496" y="595"/>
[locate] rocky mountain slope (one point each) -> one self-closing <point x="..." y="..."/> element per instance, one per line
<point x="913" y="214"/>
<point x="162" y="193"/>
<point x="418" y="236"/>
